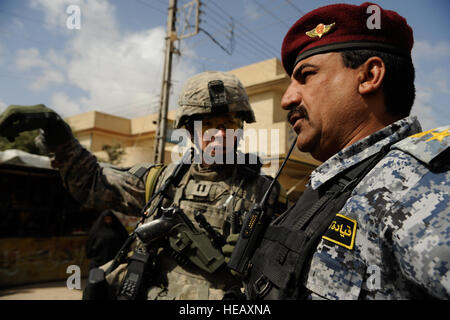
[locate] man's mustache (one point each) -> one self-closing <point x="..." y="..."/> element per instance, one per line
<point x="298" y="111"/>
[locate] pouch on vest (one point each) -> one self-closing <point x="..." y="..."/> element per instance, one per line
<point x="195" y="245"/>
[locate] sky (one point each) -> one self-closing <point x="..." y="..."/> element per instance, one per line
<point x="111" y="58"/>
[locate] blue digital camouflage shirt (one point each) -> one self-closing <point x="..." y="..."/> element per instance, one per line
<point x="400" y="245"/>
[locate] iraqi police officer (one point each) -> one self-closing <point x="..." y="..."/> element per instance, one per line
<point x="374" y="220"/>
<point x="216" y="190"/>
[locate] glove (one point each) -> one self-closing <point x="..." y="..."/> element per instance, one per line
<point x="16" y="119"/>
<point x="228" y="248"/>
<point x="234" y="293"/>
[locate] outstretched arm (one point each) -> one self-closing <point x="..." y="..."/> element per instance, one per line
<point x="94" y="185"/>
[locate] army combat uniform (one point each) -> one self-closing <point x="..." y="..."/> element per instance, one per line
<point x="390" y="240"/>
<point x="187" y="259"/>
<point x="207" y="190"/>
<point x="217" y="192"/>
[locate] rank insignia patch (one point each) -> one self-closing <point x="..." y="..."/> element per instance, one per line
<point x="341" y="231"/>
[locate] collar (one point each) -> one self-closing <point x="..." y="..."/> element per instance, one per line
<point x="363" y="149"/>
<point x="212" y="173"/>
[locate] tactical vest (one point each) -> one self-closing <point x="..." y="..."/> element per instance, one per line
<point x="277" y="269"/>
<point x="217" y="194"/>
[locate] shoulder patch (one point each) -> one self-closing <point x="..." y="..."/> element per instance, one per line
<point x="431" y="147"/>
<point x="342" y="231"/>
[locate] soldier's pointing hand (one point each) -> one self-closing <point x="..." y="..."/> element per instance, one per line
<point x="16" y="119"/>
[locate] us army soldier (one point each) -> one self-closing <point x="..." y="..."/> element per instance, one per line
<point x="373" y="222"/>
<point x="217" y="190"/>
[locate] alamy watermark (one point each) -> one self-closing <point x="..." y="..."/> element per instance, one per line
<point x="374" y="21"/>
<point x="73" y="21"/>
<point x="260" y="140"/>
<point x="373" y="282"/>
<point x="74" y="280"/>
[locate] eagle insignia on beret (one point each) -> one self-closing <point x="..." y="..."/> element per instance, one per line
<point x="320" y="30"/>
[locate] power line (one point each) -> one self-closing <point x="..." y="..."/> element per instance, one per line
<point x="46" y="43"/>
<point x="229" y="34"/>
<point x="295" y="7"/>
<point x="215" y="41"/>
<point x="247" y="42"/>
<point x="262" y="53"/>
<point x="86" y="33"/>
<point x="265" y="25"/>
<point x="151" y="6"/>
<point x="249" y="48"/>
<point x="270" y="13"/>
<point x="229" y="64"/>
<point x="252" y="40"/>
<point x="257" y="55"/>
<point x="163" y="2"/>
<point x="246" y="29"/>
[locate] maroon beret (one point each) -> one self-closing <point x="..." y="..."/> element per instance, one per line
<point x="345" y="27"/>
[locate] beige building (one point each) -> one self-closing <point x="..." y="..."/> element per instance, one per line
<point x="270" y="137"/>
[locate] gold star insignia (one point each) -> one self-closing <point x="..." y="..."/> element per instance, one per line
<point x="421" y="134"/>
<point x="435" y="135"/>
<point x="439" y="135"/>
<point x="320" y="30"/>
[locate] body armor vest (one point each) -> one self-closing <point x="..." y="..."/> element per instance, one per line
<point x="277" y="269"/>
<point x="217" y="194"/>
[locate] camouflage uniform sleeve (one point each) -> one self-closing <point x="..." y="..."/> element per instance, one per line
<point x="422" y="239"/>
<point x="421" y="243"/>
<point x="97" y="186"/>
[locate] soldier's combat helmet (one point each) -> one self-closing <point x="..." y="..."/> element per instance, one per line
<point x="213" y="92"/>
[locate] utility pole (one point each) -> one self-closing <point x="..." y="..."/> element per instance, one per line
<point x="188" y="28"/>
<point x="161" y="125"/>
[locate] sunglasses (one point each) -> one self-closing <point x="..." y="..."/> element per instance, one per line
<point x="220" y="122"/>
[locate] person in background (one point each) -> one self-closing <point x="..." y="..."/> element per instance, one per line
<point x="105" y="238"/>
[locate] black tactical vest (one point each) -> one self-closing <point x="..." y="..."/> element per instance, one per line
<point x="277" y="269"/>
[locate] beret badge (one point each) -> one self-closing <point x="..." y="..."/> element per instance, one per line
<point x="320" y="30"/>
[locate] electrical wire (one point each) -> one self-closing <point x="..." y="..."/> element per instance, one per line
<point x="256" y="48"/>
<point x="260" y="53"/>
<point x="251" y="45"/>
<point x="251" y="35"/>
<point x="46" y="43"/>
<point x="271" y="13"/>
<point x="151" y="6"/>
<point x="295" y="7"/>
<point x="86" y="33"/>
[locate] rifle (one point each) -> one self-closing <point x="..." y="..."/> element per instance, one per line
<point x="174" y="179"/>
<point x="97" y="287"/>
<point x="253" y="227"/>
<point x="187" y="243"/>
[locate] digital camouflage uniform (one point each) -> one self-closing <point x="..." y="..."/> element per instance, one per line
<point x="401" y="246"/>
<point x="402" y="211"/>
<point x="206" y="189"/>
